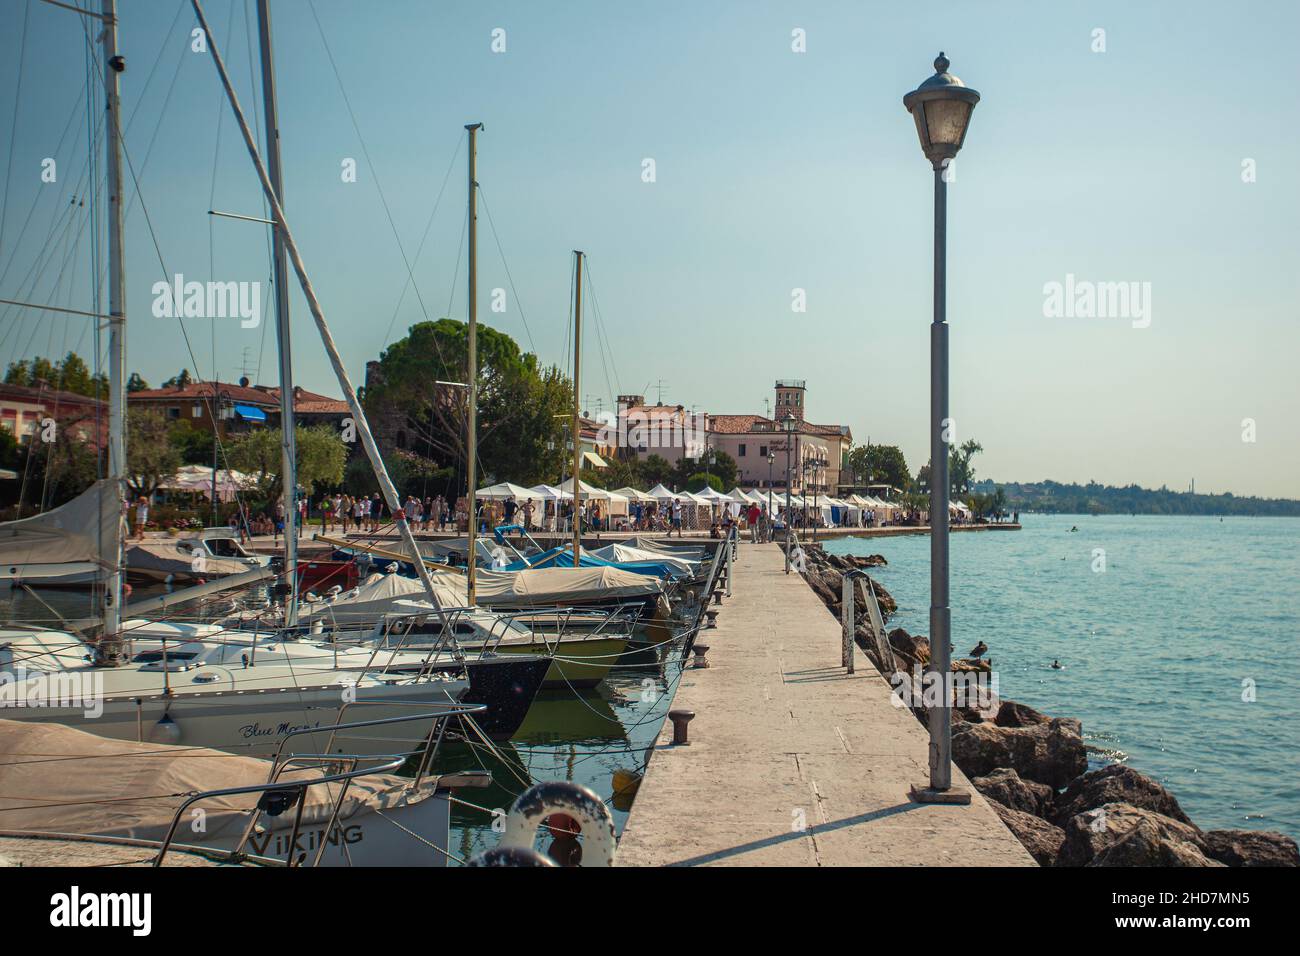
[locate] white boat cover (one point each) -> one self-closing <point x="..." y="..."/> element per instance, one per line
<point x="541" y="586"/>
<point x="623" y="552"/>
<point x="69" y="533"/>
<point x="506" y="589"/>
<point x="173" y="556"/>
<point x="57" y="779"/>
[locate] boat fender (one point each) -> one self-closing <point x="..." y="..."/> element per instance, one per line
<point x="166" y="731"/>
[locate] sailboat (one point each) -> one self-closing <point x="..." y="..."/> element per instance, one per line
<point x="223" y="706"/>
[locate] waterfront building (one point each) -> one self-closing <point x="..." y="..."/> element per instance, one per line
<point x="819" y="454"/>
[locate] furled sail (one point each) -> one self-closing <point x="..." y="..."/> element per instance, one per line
<point x="67" y="534"/>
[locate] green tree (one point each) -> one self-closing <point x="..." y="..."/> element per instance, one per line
<point x="320" y="459"/>
<point x="521" y="407"/>
<point x="879" y="464"/>
<point x="961" y="473"/>
<point x="193" y="444"/>
<point x="69" y="375"/>
<point x="136" y="383"/>
<point x="654" y="470"/>
<point x="151" y="455"/>
<point x="179" y="380"/>
<point x="701" y="480"/>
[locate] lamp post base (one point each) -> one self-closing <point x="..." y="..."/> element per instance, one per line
<point x="953" y="795"/>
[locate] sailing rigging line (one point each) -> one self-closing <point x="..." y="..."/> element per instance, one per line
<point x="365" y="150"/>
<point x="153" y="236"/>
<point x="212" y="204"/>
<point x="460" y="250"/>
<point x="13" y="128"/>
<point x="602" y="341"/>
<point x="182" y="50"/>
<point x="383" y="199"/>
<point x="406" y="285"/>
<point x="249" y="30"/>
<point x="509" y="278"/>
<point x="78" y="107"/>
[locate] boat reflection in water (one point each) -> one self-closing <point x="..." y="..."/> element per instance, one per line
<point x="580" y="736"/>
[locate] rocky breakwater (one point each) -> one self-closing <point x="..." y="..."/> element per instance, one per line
<point x="1033" y="768"/>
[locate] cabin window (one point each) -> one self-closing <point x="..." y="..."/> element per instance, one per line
<point x="155" y="657"/>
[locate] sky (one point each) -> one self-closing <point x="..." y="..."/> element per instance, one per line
<point x="1129" y="142"/>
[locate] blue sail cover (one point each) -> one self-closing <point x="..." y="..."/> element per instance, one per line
<point x="563" y="557"/>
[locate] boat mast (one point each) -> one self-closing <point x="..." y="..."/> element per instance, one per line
<point x="322" y="327"/>
<point x="111" y="549"/>
<point x="577" y="432"/>
<point x="288" y="437"/>
<point x="471" y="447"/>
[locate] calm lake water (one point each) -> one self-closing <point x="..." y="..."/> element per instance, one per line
<point x="1180" y="648"/>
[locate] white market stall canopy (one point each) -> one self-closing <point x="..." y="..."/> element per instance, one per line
<point x="503" y="490"/>
<point x="633" y="495"/>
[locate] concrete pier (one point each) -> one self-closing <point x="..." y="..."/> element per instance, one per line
<point x="792" y="761"/>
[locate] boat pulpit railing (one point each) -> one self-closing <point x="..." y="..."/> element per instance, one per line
<point x="278" y="795"/>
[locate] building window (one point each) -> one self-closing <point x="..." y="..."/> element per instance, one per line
<point x="173" y="412"/>
<point x="742" y="450"/>
<point x="762" y="451"/>
<point x="196" y="411"/>
<point x="401" y="441"/>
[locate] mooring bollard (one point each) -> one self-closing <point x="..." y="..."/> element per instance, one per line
<point x="680" y="719"/>
<point x="712" y="618"/>
<point x="717" y="595"/>
<point x="700" y="651"/>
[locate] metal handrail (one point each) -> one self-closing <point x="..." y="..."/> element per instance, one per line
<point x="848" y="621"/>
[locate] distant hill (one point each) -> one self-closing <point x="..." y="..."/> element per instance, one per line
<point x="1052" y="497"/>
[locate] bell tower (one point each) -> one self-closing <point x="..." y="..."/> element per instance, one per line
<point x="789" y="398"/>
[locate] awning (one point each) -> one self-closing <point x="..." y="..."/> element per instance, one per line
<point x="250" y="413"/>
<point x="591" y="458"/>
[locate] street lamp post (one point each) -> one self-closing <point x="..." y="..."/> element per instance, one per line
<point x="788" y="425"/>
<point x="941" y="108"/>
<point x="771" y="459"/>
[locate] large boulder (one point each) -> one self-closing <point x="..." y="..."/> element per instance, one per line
<point x="1051" y="753"/>
<point x="1117" y="783"/>
<point x="1090" y="833"/>
<point x="1006" y="787"/>
<point x="1251" y="848"/>
<point x="1147" y="845"/>
<point x="913" y="647"/>
<point x="1040" y="838"/>
<point x="1015" y="714"/>
<point x="817" y="581"/>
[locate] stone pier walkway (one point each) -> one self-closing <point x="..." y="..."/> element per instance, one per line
<point x="792" y="761"/>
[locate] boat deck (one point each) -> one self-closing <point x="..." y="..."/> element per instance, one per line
<point x="792" y="761"/>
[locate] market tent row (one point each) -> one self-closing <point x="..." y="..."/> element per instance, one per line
<point x="197" y="479"/>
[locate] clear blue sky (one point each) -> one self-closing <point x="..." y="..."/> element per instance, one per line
<point x="775" y="170"/>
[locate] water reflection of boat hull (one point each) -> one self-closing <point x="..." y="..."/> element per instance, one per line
<point x="563" y="716"/>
